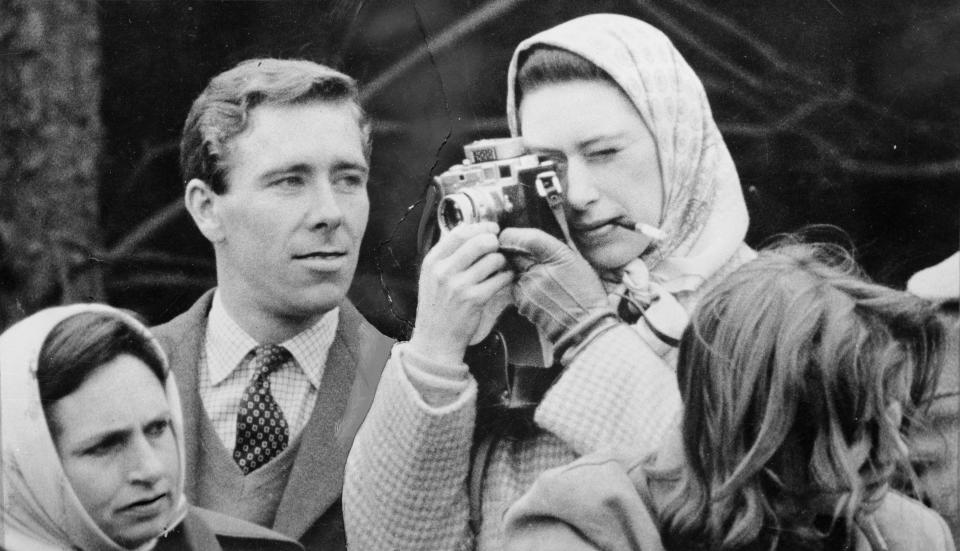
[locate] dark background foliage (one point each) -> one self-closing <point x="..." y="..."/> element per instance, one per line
<point x="836" y="112"/>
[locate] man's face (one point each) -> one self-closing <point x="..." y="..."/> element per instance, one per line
<point x="295" y="208"/>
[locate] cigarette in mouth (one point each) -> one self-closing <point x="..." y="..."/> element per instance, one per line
<point x="646" y="229"/>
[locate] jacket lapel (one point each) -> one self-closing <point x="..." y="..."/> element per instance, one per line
<point x="316" y="479"/>
<point x="182" y="339"/>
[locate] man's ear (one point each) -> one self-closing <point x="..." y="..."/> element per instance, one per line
<point x="202" y="204"/>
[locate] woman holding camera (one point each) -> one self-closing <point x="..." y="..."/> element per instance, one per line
<point x="613" y="103"/>
<point x="93" y="442"/>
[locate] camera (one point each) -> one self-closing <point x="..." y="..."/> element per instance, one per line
<point x="499" y="181"/>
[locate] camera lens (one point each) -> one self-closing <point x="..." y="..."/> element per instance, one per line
<point x="456" y="209"/>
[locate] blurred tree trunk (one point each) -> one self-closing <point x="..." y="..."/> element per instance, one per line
<point x="50" y="135"/>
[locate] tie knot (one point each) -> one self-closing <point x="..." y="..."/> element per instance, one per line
<point x="267" y="358"/>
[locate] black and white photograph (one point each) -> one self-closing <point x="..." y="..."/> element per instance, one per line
<point x="479" y="275"/>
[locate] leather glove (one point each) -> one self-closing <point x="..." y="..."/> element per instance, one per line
<point x="557" y="290"/>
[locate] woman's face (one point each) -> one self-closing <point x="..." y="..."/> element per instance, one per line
<point x="117" y="446"/>
<point x="609" y="163"/>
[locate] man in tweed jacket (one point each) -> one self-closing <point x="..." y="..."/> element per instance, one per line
<point x="276" y="368"/>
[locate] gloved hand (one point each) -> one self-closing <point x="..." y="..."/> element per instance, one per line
<point x="557" y="290"/>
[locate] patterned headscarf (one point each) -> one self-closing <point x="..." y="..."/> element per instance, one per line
<point x="40" y="509"/>
<point x="703" y="213"/>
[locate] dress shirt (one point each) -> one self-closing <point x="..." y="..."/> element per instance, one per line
<point x="225" y="370"/>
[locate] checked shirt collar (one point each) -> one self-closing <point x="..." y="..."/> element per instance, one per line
<point x="228" y="344"/>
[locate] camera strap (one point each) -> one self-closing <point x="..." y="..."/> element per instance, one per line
<point x="478" y="473"/>
<point x="548" y="187"/>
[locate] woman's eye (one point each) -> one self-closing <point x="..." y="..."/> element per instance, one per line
<point x="351" y="182"/>
<point x="101" y="449"/>
<point x="157" y="428"/>
<point x="604" y="153"/>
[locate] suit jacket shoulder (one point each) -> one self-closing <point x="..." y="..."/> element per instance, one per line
<point x="233" y="534"/>
<point x="182" y="337"/>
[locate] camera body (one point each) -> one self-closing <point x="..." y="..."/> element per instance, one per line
<point x="500" y="182"/>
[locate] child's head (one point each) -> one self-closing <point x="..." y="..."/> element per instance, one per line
<point x="795" y="373"/>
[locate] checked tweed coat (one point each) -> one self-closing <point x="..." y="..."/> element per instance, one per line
<point x="407" y="475"/>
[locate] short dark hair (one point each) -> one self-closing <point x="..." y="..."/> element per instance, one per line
<point x="80" y="344"/>
<point x="542" y="65"/>
<point x="222" y="110"/>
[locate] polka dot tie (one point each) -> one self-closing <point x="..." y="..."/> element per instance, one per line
<point x="262" y="432"/>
